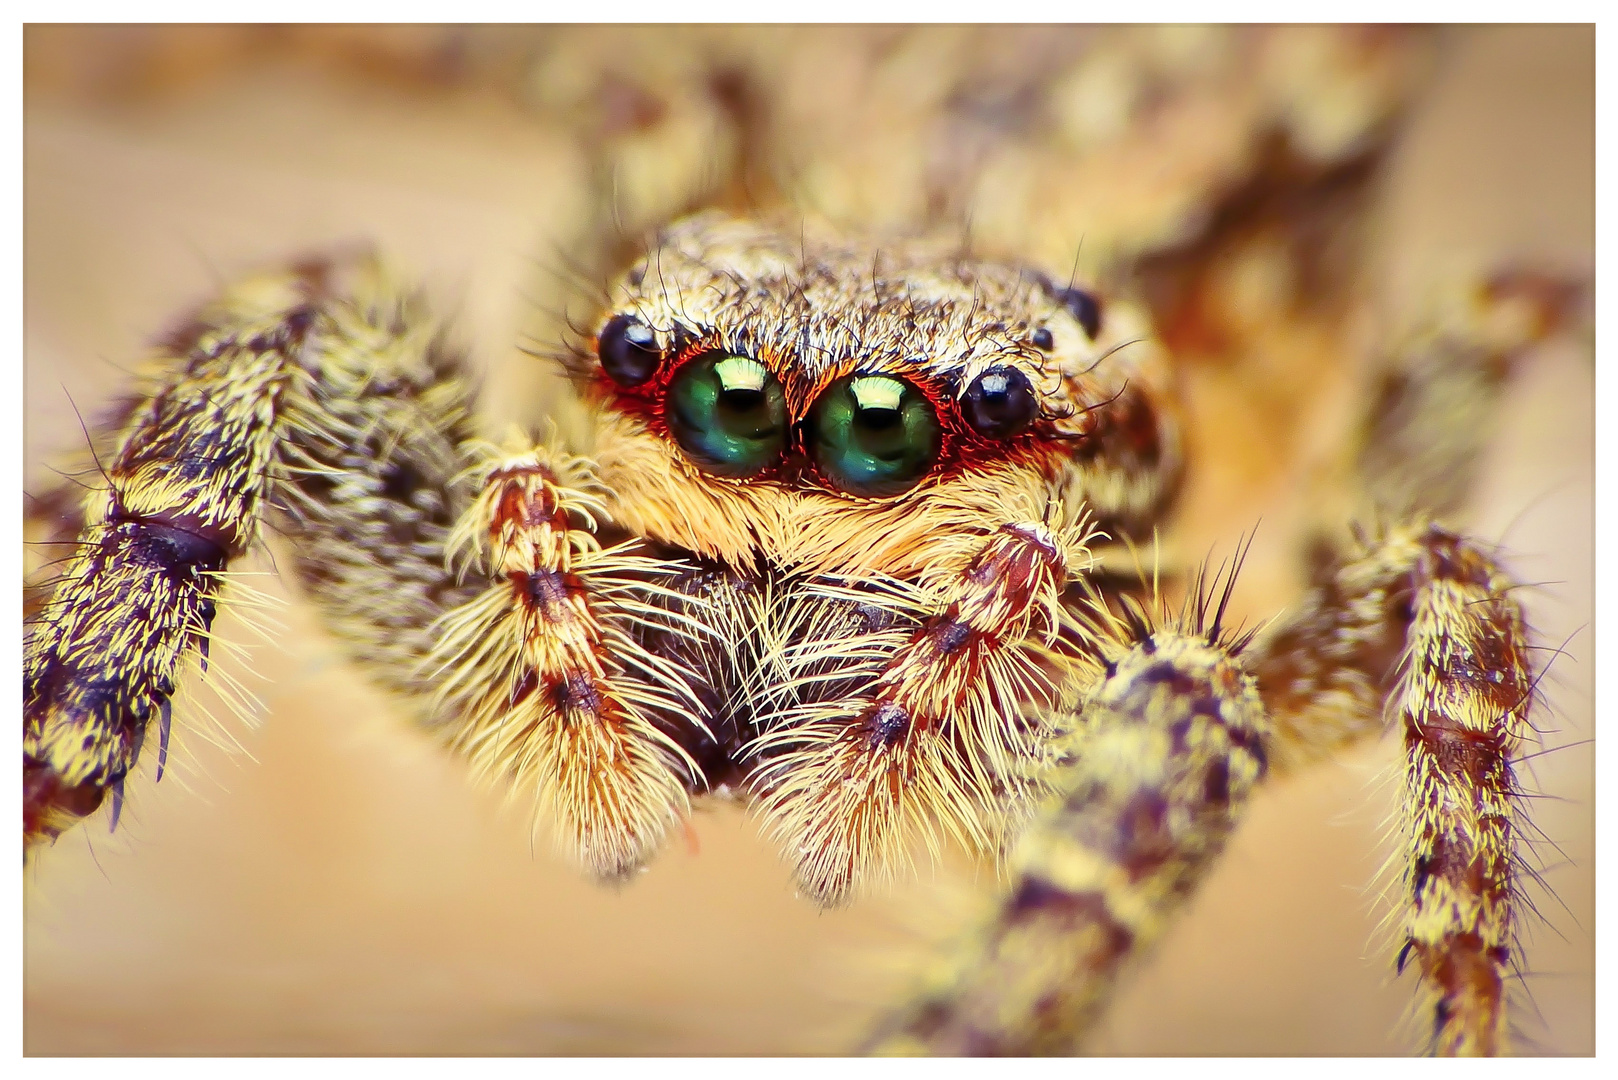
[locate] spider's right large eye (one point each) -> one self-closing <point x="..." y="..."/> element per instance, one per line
<point x="728" y="413"/>
<point x="628" y="351"/>
<point x="873" y="435"/>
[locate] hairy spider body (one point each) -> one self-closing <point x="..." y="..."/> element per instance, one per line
<point x="843" y="538"/>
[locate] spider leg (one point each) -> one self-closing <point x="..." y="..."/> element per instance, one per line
<point x="553" y="690"/>
<point x="1418" y="625"/>
<point x="336" y="414"/>
<point x="1433" y="405"/>
<point x="1425" y="621"/>
<point x="185" y="487"/>
<point x="373" y="459"/>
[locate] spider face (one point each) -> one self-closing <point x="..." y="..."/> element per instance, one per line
<point x="771" y="390"/>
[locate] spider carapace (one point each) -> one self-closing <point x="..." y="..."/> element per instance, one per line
<point x="832" y="543"/>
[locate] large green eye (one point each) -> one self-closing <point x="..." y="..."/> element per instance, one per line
<point x="728" y="413"/>
<point x="873" y="434"/>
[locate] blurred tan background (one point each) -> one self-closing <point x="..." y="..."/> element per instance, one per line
<point x="337" y="887"/>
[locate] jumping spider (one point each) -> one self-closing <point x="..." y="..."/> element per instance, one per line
<point x="847" y="538"/>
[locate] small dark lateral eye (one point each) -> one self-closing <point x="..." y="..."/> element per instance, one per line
<point x="1084" y="307"/>
<point x="1000" y="403"/>
<point x="1042" y="340"/>
<point x="628" y="351"/>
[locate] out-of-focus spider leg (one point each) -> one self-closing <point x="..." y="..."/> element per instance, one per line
<point x="929" y="741"/>
<point x="553" y="691"/>
<point x="1434" y="403"/>
<point x="1168" y="741"/>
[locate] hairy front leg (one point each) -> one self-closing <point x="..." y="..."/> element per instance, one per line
<point x="185" y="488"/>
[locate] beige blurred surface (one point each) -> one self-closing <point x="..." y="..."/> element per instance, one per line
<point x="338" y="887"/>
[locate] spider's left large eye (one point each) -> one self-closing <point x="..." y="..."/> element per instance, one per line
<point x="1000" y="403"/>
<point x="728" y="413"/>
<point x="873" y="434"/>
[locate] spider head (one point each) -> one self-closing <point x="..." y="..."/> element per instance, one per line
<point x="768" y="391"/>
